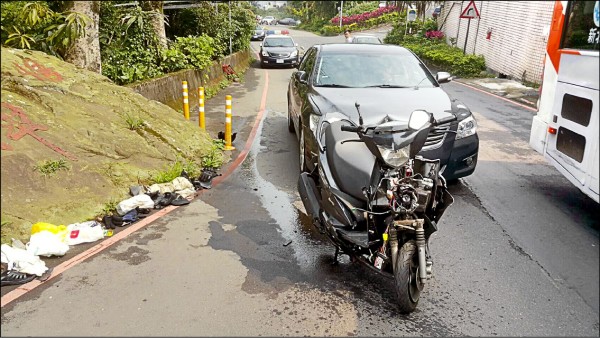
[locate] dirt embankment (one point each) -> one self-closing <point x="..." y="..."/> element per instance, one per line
<point x="52" y="111"/>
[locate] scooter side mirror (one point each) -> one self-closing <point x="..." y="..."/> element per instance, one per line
<point x="418" y="119"/>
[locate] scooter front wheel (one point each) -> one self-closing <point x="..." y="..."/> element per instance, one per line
<point x="406" y="279"/>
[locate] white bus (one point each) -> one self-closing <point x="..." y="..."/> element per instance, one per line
<point x="566" y="127"/>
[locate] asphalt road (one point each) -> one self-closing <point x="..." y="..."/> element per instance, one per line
<point x="516" y="254"/>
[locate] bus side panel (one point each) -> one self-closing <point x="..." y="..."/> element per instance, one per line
<point x="574" y="147"/>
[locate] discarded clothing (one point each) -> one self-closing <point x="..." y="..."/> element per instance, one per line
<point x="142" y="201"/>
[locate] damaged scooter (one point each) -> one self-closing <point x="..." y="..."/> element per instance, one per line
<point x="376" y="199"/>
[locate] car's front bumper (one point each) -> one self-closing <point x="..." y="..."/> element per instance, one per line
<point x="458" y="156"/>
<point x="274" y="61"/>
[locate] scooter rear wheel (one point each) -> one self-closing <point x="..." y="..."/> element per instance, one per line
<point x="408" y="287"/>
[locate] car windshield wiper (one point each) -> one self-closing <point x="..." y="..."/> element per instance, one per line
<point x="332" y="85"/>
<point x="386" y="86"/>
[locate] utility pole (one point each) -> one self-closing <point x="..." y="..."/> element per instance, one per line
<point x="341" y="11"/>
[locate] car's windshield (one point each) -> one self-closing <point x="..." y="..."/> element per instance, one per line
<point x="362" y="70"/>
<point x="278" y="42"/>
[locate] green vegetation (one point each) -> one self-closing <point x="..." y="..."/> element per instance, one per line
<point x="130" y="49"/>
<point x="50" y="167"/>
<point x="434" y="51"/>
<point x="35" y="25"/>
<point x="214" y="158"/>
<point x="173" y="171"/>
<point x="134" y="123"/>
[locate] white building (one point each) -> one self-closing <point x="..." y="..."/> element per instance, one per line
<point x="271" y="4"/>
<point x="511" y="35"/>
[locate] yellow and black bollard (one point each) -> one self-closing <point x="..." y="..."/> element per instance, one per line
<point x="228" y="145"/>
<point x="201" y="121"/>
<point x="186" y="104"/>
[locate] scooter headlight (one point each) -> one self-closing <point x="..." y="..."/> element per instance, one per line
<point x="395" y="158"/>
<point x="466" y="127"/>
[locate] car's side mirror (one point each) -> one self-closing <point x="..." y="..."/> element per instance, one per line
<point x="296" y="45"/>
<point x="443" y="77"/>
<point x="301" y="76"/>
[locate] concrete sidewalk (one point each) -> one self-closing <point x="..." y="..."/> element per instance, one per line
<point x="510" y="89"/>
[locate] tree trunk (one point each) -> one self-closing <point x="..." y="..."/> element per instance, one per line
<point x="85" y="52"/>
<point x="157" y="21"/>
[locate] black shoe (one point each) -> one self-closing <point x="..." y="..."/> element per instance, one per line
<point x="180" y="200"/>
<point x="116" y="220"/>
<point x="108" y="222"/>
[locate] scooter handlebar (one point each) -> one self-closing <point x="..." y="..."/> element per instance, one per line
<point x="350" y="128"/>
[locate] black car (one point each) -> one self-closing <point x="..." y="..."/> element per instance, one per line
<point x="279" y="50"/>
<point x="385" y="80"/>
<point x="259" y="33"/>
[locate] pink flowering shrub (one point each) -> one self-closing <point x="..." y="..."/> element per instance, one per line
<point x="434" y="35"/>
<point x="360" y="18"/>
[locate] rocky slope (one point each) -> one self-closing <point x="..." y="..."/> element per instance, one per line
<point x="106" y="136"/>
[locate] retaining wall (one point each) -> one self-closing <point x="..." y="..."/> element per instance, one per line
<point x="167" y="88"/>
<point x="517" y="43"/>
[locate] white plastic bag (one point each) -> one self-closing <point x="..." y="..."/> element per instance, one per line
<point x="22" y="261"/>
<point x="85" y="232"/>
<point x="143" y="201"/>
<point x="46" y="243"/>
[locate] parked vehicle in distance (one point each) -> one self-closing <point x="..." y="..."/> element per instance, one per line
<point x="259" y="33"/>
<point x="279" y="50"/>
<point x="367" y="39"/>
<point x="268" y="20"/>
<point x="386" y="80"/>
<point x="287" y="21"/>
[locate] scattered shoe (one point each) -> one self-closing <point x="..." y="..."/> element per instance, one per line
<point x="107" y="220"/>
<point x="180" y="200"/>
<point x="184" y="174"/>
<point x="116" y="220"/>
<point x="12" y="277"/>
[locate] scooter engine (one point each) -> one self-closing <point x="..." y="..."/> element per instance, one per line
<point x="409" y="194"/>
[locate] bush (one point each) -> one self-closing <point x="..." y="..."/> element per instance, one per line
<point x="359" y="18"/>
<point x="189" y="53"/>
<point x="329" y="30"/>
<point x="437" y="53"/>
<point x="204" y="20"/>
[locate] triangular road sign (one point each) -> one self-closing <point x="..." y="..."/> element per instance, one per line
<point x="470" y="12"/>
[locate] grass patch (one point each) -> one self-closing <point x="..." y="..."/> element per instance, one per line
<point x="134" y="122"/>
<point x="214" y="158"/>
<point x="50" y="167"/>
<point x="110" y="207"/>
<point x="173" y="171"/>
<point x="10" y="230"/>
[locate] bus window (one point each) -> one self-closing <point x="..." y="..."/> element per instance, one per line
<point x="580" y="30"/>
